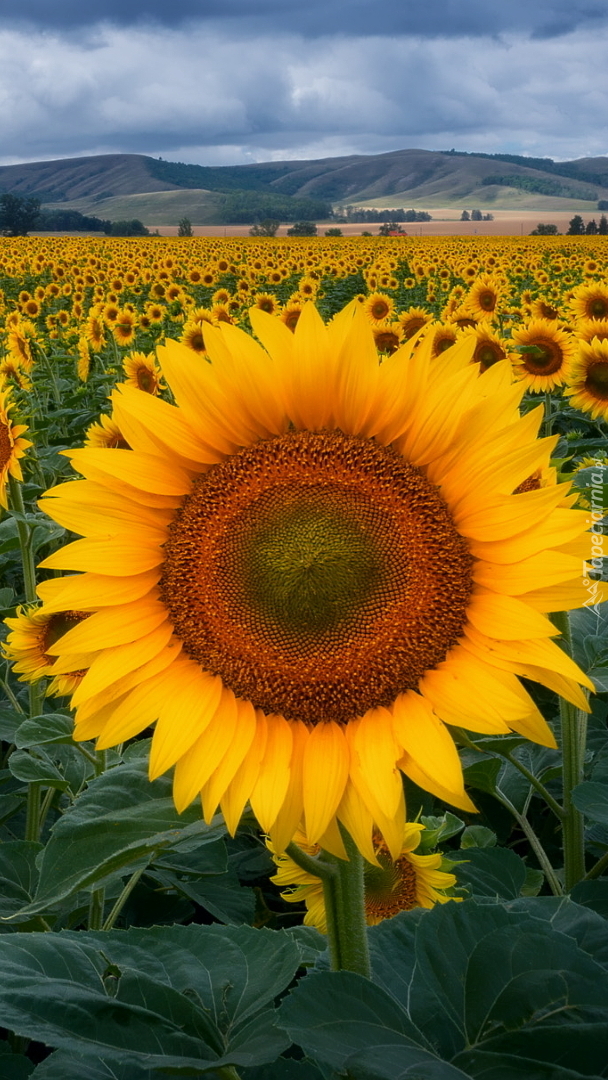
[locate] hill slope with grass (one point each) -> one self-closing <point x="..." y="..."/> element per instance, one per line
<point x="135" y="185"/>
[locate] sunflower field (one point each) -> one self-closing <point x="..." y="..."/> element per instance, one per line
<point x="304" y="658"/>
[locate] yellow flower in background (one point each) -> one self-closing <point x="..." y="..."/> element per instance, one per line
<point x="32" y="631"/>
<point x="12" y="445"/>
<point x="409" y="881"/>
<point x="549" y="351"/>
<point x="588" y="379"/>
<point x="142" y="372"/>
<point x="308" y="565"/>
<point x="105" y="434"/>
<point x="590" y="301"/>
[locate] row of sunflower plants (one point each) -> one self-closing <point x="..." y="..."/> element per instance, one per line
<point x="300" y="779"/>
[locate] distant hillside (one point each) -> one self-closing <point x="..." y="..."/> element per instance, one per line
<point x="98" y="185"/>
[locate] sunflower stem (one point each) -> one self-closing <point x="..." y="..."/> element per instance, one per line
<point x="96" y="906"/>
<point x="310" y="864"/>
<point x="573" y="746"/>
<point x="598" y="868"/>
<point x="32" y="813"/>
<point x="549" y="415"/>
<point x="344" y="896"/>
<point x="538" y="785"/>
<point x="122" y="899"/>
<point x="25" y="540"/>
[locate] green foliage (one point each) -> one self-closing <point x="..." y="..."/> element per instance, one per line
<point x="184" y="227"/>
<point x="18" y="214"/>
<point x="267" y="227"/>
<point x="303" y="228"/>
<point x="576" y="226"/>
<point x="537" y="185"/>
<point x="543" y="229"/>
<point x="133" y="227"/>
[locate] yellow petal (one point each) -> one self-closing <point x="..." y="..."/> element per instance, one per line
<point x="269" y="791"/>
<point x="84" y="592"/>
<point x="507" y="617"/>
<point x="111" y="627"/>
<point x="326" y="764"/>
<point x="290" y="814"/>
<point x="118" y="557"/>
<point x="112" y="664"/>
<point x="195" y="766"/>
<point x="217" y="784"/>
<point x="187" y="707"/>
<point x="376" y="753"/>
<point x="425" y="739"/>
<point x="233" y="801"/>
<point x="428" y="783"/>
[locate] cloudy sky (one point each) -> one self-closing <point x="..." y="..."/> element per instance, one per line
<point x="234" y="81"/>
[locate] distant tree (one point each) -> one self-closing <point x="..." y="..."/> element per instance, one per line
<point x="543" y="229"/>
<point x="267" y="227"/>
<point x="333" y="232"/>
<point x="465" y="216"/>
<point x="134" y="227"/>
<point x="476" y="215"/>
<point x="488" y="217"/>
<point x="18" y="215"/>
<point x="591" y="227"/>
<point x="303" y="228"/>
<point x="576" y="226"/>
<point x="387" y="228"/>
<point x="602" y="204"/>
<point x="184" y="227"/>
<point x="366" y="233"/>
<point x="603" y="225"/>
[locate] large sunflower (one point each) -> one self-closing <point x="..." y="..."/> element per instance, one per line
<point x="549" y="350"/>
<point x="307" y="565"/>
<point x="588" y="381"/>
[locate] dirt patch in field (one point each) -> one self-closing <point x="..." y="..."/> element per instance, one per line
<point x="445" y="223"/>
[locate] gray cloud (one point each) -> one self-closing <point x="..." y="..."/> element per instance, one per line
<point x="541" y="18"/>
<point x="196" y="93"/>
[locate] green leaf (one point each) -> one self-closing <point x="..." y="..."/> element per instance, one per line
<point x="70" y="1066"/>
<point x="592" y="799"/>
<point x="483" y="774"/>
<point x="36" y="769"/>
<point x="477" y="836"/>
<point x="286" y="1069"/>
<point x="44" y="729"/>
<point x="535" y="879"/>
<point x="492" y="872"/>
<point x="592" y="894"/>
<point x="174" y="999"/>
<point x="332" y="1014"/>
<point x="120" y="820"/>
<point x="10" y="720"/>
<point x="393" y="1062"/>
<point x="14" y="1066"/>
<point x="482" y="1065"/>
<point x="18" y="874"/>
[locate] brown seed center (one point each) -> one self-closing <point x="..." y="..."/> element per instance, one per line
<point x="318" y="574"/>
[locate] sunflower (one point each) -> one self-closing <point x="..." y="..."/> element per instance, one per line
<point x="94" y="330"/>
<point x="387" y="336"/>
<point x="105" y="434"/>
<point x="409" y="881"/>
<point x="588" y="379"/>
<point x="26" y="647"/>
<point x="125" y="326"/>
<point x="83" y="364"/>
<point x="308" y="565"/>
<point x="412" y="320"/>
<point x="590" y="301"/>
<point x="378" y="307"/>
<point x="587" y="329"/>
<point x="11" y="372"/>
<point x="484" y="294"/>
<point x="142" y="372"/>
<point x="12" y="445"/>
<point x="489" y="347"/>
<point x="549" y="350"/>
<point x="444" y="337"/>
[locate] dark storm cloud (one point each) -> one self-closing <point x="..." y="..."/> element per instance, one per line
<point x="541" y="18"/>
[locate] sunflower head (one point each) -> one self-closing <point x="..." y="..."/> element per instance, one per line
<point x="545" y="354"/>
<point x="12" y="444"/>
<point x="32" y="632"/>
<point x="588" y="378"/>
<point x="311" y="563"/>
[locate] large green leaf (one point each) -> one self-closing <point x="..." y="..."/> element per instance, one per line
<point x="593" y="894"/>
<point x="591" y="798"/>
<point x="334" y="1014"/>
<point x="18" y="875"/>
<point x="70" y="1066"/>
<point x="14" y="1066"/>
<point x="173" y="999"/>
<point x="44" y="729"/>
<point x="392" y="1062"/>
<point x="119" y="821"/>
<point x="492" y="871"/>
<point x="481" y="1065"/>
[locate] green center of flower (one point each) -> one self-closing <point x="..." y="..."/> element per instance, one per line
<point x="306" y="566"/>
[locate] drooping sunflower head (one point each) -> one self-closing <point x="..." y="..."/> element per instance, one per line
<point x="588" y="378"/>
<point x="544" y="361"/>
<point x="32" y="632"/>
<point x="311" y="563"/>
<point x="12" y="444"/>
<point x="390" y="885"/>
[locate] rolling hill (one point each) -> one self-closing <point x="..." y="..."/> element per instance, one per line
<point x="157" y="191"/>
